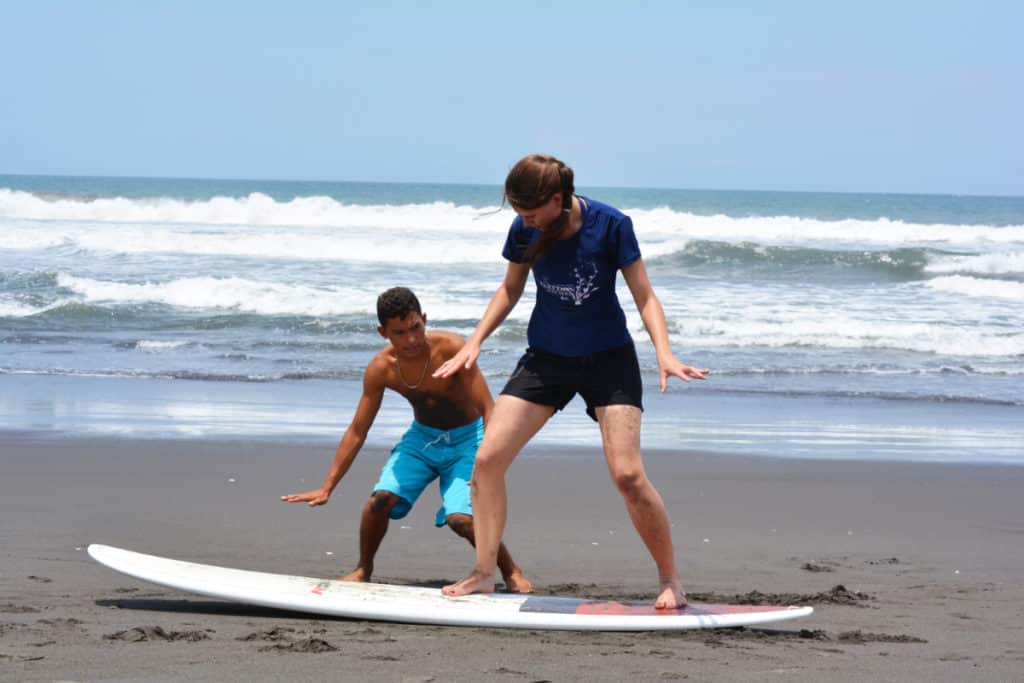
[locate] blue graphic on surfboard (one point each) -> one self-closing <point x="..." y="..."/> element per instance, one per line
<point x="418" y="605"/>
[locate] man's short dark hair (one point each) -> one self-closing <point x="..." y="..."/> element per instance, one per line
<point x="397" y="302"/>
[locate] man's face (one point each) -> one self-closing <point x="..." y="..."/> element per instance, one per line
<point x="544" y="215"/>
<point x="408" y="335"/>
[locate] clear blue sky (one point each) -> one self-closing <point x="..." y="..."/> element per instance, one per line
<point x="894" y="96"/>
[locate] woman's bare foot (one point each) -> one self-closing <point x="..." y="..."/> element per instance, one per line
<point x="671" y="595"/>
<point x="477" y="582"/>
<point x="359" y="574"/>
<point x="515" y="582"/>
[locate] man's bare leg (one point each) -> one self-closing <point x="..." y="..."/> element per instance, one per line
<point x="620" y="434"/>
<point x="513" y="423"/>
<point x="515" y="580"/>
<point x="373" y="525"/>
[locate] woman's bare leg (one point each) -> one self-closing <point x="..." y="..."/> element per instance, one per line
<point x="513" y="423"/>
<point x="620" y="434"/>
<point x="515" y="580"/>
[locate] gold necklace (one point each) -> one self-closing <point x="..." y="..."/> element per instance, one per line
<point x="423" y="374"/>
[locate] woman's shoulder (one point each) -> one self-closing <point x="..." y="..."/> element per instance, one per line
<point x="519" y="226"/>
<point x="605" y="218"/>
<point x="598" y="208"/>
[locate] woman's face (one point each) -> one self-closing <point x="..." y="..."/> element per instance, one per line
<point x="543" y="216"/>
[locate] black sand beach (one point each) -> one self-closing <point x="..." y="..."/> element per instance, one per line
<point x="913" y="569"/>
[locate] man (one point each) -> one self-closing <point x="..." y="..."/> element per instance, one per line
<point x="449" y="417"/>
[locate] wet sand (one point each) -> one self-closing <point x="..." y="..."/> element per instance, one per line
<point x="913" y="569"/>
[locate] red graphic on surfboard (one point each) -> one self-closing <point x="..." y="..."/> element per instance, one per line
<point x="613" y="608"/>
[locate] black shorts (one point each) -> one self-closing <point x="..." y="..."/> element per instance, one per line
<point x="607" y="378"/>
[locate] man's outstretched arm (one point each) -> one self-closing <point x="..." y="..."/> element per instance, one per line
<point x="351" y="442"/>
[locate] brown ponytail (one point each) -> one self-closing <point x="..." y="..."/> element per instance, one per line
<point x="532" y="182"/>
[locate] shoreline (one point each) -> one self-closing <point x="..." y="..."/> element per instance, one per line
<point x="913" y="569"/>
<point x="533" y="452"/>
<point x="315" y="411"/>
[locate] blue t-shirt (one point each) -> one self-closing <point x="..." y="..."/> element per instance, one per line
<point x="577" y="311"/>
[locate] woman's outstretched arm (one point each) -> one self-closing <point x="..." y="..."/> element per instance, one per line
<point x="653" y="316"/>
<point x="502" y="303"/>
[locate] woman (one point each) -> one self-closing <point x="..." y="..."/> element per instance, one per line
<point x="578" y="343"/>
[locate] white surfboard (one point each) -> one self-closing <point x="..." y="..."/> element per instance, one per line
<point x="417" y="605"/>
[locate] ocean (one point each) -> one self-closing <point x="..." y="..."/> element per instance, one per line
<point x="835" y="325"/>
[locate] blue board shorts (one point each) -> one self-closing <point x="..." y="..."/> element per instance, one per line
<point x="425" y="454"/>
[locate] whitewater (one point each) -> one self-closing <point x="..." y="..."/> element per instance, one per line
<point x="863" y="301"/>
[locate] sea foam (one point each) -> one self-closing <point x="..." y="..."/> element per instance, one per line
<point x="815" y="330"/>
<point x="243" y="295"/>
<point x="1009" y="263"/>
<point x="412" y="228"/>
<point x="978" y="287"/>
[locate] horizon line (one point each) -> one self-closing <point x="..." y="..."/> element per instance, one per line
<point x="498" y="185"/>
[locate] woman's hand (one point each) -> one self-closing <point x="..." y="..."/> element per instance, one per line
<point x="464" y="359"/>
<point x="670" y="366"/>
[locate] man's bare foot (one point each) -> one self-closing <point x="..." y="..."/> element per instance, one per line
<point x="515" y="582"/>
<point x="359" y="574"/>
<point x="477" y="582"/>
<point x="671" y="595"/>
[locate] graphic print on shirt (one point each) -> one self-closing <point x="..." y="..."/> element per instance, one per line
<point x="585" y="274"/>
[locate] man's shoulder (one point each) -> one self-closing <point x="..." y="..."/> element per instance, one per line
<point x="381" y="363"/>
<point x="447" y="342"/>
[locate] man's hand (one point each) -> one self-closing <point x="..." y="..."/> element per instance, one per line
<point x="314" y="498"/>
